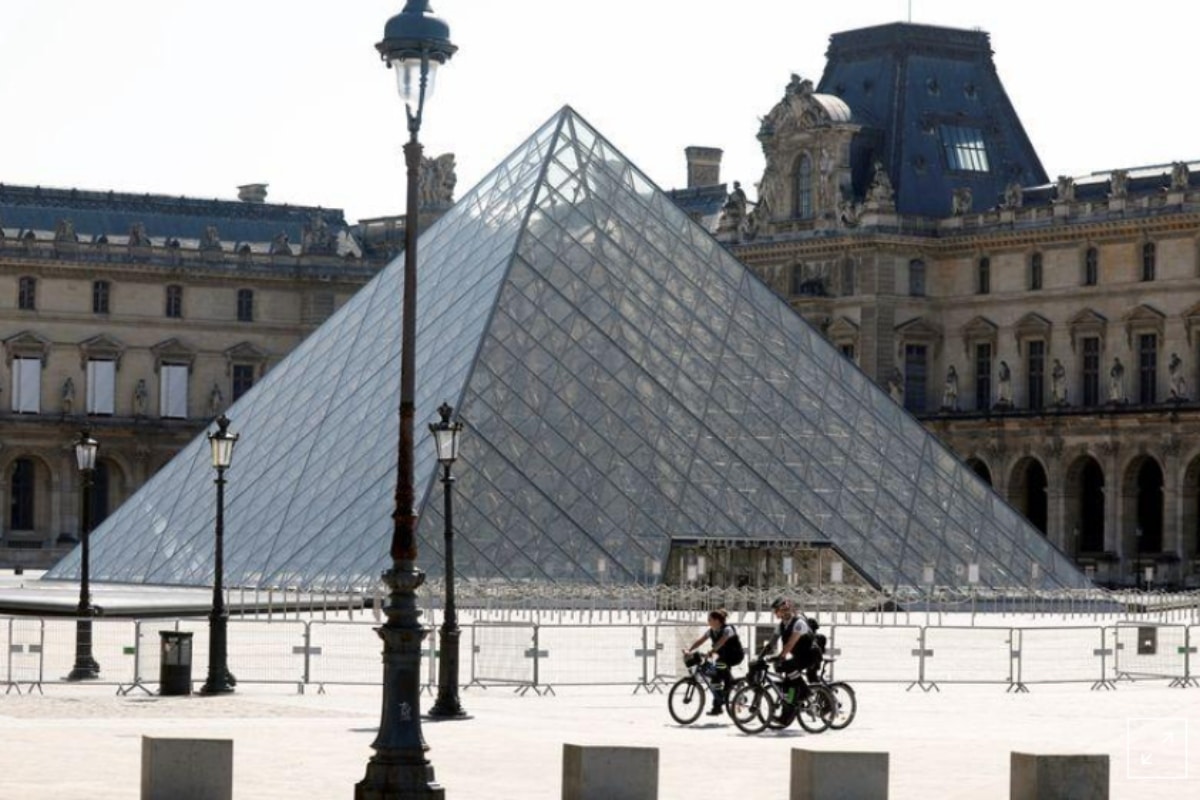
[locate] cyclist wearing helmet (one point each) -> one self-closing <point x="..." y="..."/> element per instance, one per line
<point x="727" y="647"/>
<point x="796" y="653"/>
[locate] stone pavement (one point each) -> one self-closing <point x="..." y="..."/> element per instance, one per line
<point x="79" y="741"/>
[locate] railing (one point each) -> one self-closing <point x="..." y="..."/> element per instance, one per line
<point x="537" y="657"/>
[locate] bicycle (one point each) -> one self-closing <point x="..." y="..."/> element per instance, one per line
<point x="758" y="704"/>
<point x="846" y="704"/>
<point x="688" y="697"/>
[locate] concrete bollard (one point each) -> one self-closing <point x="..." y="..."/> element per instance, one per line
<point x="609" y="773"/>
<point x="1033" y="776"/>
<point x="825" y="775"/>
<point x="187" y="769"/>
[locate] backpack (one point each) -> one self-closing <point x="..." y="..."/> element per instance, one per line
<point x="736" y="653"/>
<point x="819" y="639"/>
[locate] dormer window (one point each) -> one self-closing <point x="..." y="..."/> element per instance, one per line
<point x="964" y="148"/>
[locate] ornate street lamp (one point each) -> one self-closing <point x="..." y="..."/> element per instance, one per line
<point x="85" y="667"/>
<point x="414" y="43"/>
<point x="447" y="705"/>
<point x="219" y="680"/>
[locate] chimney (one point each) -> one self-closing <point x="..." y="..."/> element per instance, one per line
<point x="704" y="166"/>
<point x="253" y="193"/>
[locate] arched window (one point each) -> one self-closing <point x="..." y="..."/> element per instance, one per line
<point x="916" y="278"/>
<point x="984" y="276"/>
<point x="245" y="305"/>
<point x="1149" y="261"/>
<point x="1091" y="267"/>
<point x="1035" y="272"/>
<point x="22" y="496"/>
<point x="804" y="187"/>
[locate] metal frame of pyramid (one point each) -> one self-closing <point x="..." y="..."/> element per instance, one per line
<point x="624" y="381"/>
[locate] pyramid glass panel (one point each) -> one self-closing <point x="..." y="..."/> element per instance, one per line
<point x="625" y="383"/>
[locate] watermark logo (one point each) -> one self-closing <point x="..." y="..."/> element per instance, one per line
<point x="1156" y="749"/>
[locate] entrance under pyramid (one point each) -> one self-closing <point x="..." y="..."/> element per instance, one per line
<point x="632" y="394"/>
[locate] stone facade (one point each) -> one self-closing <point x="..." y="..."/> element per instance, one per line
<point x="143" y="334"/>
<point x="1047" y="333"/>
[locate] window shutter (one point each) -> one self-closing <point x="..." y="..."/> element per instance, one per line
<point x="101" y="384"/>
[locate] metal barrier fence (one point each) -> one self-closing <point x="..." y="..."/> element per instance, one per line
<point x="534" y="657"/>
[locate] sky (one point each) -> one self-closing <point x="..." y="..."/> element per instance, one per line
<point x="196" y="97"/>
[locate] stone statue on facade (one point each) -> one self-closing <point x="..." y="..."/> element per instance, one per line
<point x="895" y="385"/>
<point x="317" y="239"/>
<point x="437" y="182"/>
<point x="280" y="245"/>
<point x="216" y="401"/>
<point x="140" y="397"/>
<point x="1180" y="176"/>
<point x="960" y="201"/>
<point x="1004" y="386"/>
<point x="211" y="240"/>
<point x="950" y="392"/>
<point x="1014" y="195"/>
<point x="1178" y="381"/>
<point x="733" y="213"/>
<point x="880" y="191"/>
<point x="1058" y="383"/>
<point x="1118" y="184"/>
<point x="1064" y="189"/>
<point x="64" y="231"/>
<point x="1116" y="382"/>
<point x="848" y="213"/>
<point x="138" y="236"/>
<point x="68" y="397"/>
<point x="825" y="166"/>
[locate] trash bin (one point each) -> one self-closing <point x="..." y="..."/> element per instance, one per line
<point x="175" y="666"/>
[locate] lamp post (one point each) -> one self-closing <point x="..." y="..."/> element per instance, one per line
<point x="1137" y="564"/>
<point x="85" y="667"/>
<point x="219" y="680"/>
<point x="447" y="705"/>
<point x="414" y="43"/>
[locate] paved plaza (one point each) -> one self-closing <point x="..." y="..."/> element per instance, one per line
<point x="80" y="741"/>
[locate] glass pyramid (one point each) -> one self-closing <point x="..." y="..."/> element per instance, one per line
<point x="624" y="380"/>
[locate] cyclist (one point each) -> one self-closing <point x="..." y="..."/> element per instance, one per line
<point x="797" y="653"/>
<point x="727" y="647"/>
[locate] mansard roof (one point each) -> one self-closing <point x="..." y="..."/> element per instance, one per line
<point x="921" y="91"/>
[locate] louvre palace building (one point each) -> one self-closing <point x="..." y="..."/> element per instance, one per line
<point x="1044" y="327"/>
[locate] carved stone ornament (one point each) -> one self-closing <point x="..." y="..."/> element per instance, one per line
<point x="211" y="240"/>
<point x="1180" y="176"/>
<point x="1014" y="195"/>
<point x="64" y="231"/>
<point x="1064" y="190"/>
<point x="1172" y="445"/>
<point x="317" y="238"/>
<point x="437" y="182"/>
<point x="1119" y="184"/>
<point x="138" y="236"/>
<point x="960" y="201"/>
<point x="1053" y="447"/>
<point x="280" y="245"/>
<point x="880" y="192"/>
<point x="1109" y="447"/>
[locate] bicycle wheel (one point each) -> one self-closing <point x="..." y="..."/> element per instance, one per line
<point x="736" y="686"/>
<point x="686" y="700"/>
<point x="847" y="705"/>
<point x="816" y="713"/>
<point x="779" y="712"/>
<point x="751" y="709"/>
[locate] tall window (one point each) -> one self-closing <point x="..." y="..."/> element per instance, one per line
<point x="916" y="278"/>
<point x="1149" y="261"/>
<point x="1091" y="371"/>
<point x="983" y="283"/>
<point x="245" y="305"/>
<point x="983" y="376"/>
<point x="804" y="187"/>
<point x="99" y="297"/>
<point x="1147" y="368"/>
<point x="243" y="379"/>
<point x="1091" y="267"/>
<point x="1035" y="271"/>
<point x="848" y="278"/>
<point x="1036" y="374"/>
<point x="175" y="302"/>
<point x="27" y="294"/>
<point x="101" y="386"/>
<point x="172" y="391"/>
<point x="27" y="385"/>
<point x="915" y="368"/>
<point x="964" y="148"/>
<point x="22" y="496"/>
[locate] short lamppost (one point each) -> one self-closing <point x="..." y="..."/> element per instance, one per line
<point x="85" y="667"/>
<point x="414" y="43"/>
<point x="447" y="705"/>
<point x="219" y="680"/>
